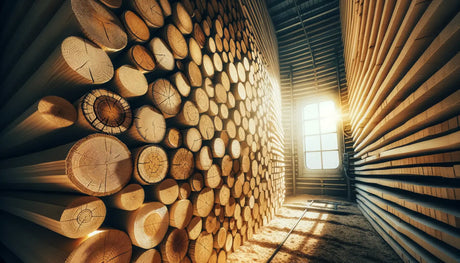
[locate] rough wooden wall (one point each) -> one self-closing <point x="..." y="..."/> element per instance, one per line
<point x="403" y="71"/>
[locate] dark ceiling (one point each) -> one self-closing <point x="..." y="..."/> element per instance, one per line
<point x="309" y="40"/>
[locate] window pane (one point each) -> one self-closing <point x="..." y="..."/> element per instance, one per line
<point x="326" y="108"/>
<point x="312" y="143"/>
<point x="313" y="160"/>
<point x="311" y="127"/>
<point x="310" y="111"/>
<point x="330" y="159"/>
<point x="329" y="141"/>
<point x="328" y="125"/>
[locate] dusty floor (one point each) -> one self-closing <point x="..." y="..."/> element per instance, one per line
<point x="343" y="235"/>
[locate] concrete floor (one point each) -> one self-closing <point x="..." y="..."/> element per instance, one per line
<point x="333" y="231"/>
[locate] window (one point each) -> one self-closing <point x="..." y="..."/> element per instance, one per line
<point x="320" y="135"/>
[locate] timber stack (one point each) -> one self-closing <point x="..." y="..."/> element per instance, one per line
<point x="151" y="125"/>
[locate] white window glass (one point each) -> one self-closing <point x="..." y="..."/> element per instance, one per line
<point x="313" y="160"/>
<point x="312" y="143"/>
<point x="311" y="111"/>
<point x="320" y="135"/>
<point x="330" y="159"/>
<point x="311" y="127"/>
<point x="328" y="124"/>
<point x="329" y="141"/>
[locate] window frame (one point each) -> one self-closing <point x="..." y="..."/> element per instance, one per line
<point x="304" y="171"/>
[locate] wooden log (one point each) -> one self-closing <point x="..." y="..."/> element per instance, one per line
<point x="241" y="72"/>
<point x="239" y="91"/>
<point x="135" y="26"/>
<point x="75" y="63"/>
<point x="175" y="41"/>
<point x="193" y="74"/>
<point x="188" y="116"/>
<point x="230" y="128"/>
<point x="231" y="102"/>
<point x="129" y="82"/>
<point x="203" y="202"/>
<point x="73" y="216"/>
<point x="180" y="213"/>
<point x="192" y="139"/>
<point x="27" y="26"/>
<point x="218" y="123"/>
<point x="213" y="257"/>
<point x="150" y="11"/>
<point x="194" y="228"/>
<point x="184" y="190"/>
<point x="140" y="255"/>
<point x="213" y="108"/>
<point x="223" y="111"/>
<point x="228" y="242"/>
<point x="46" y="115"/>
<point x="130" y="198"/>
<point x="145" y="226"/>
<point x="165" y="191"/>
<point x="165" y="97"/>
<point x="212" y="176"/>
<point x="219" y="44"/>
<point x="199" y="35"/>
<point x="166" y="8"/>
<point x="223" y="79"/>
<point x="241" y="135"/>
<point x="210" y="223"/>
<point x="174" y="246"/>
<point x="210" y="45"/>
<point x="234" y="149"/>
<point x="222" y="195"/>
<point x="141" y="58"/>
<point x="203" y="160"/>
<point x="207" y="66"/>
<point x="201" y="99"/>
<point x="220" y="238"/>
<point x="200" y="250"/>
<point x="97" y="165"/>
<point x="149" y="126"/>
<point x="236" y="242"/>
<point x="218" y="147"/>
<point x="222" y="256"/>
<point x="208" y="87"/>
<point x="104" y="111"/>
<point x="47" y="246"/>
<point x="221" y="93"/>
<point x="150" y="164"/>
<point x="181" y="82"/>
<point x="182" y="19"/>
<point x="206" y="127"/>
<point x="91" y="18"/>
<point x="230" y="207"/>
<point x="226" y="164"/>
<point x="164" y="58"/>
<point x="232" y="73"/>
<point x="195" y="51"/>
<point x="196" y="182"/>
<point x="182" y="164"/>
<point x="173" y="138"/>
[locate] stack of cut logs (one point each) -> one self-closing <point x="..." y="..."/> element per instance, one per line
<point x="134" y="130"/>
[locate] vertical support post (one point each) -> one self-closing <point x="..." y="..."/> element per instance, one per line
<point x="292" y="133"/>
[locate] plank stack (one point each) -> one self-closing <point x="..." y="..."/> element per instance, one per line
<point x="403" y="63"/>
<point x="135" y="130"/>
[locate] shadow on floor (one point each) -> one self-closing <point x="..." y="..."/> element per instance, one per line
<point x="321" y="236"/>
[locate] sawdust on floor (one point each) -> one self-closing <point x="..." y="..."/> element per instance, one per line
<point x="335" y="231"/>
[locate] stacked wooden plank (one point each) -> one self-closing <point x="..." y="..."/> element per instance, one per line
<point x="402" y="62"/>
<point x="136" y="130"/>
